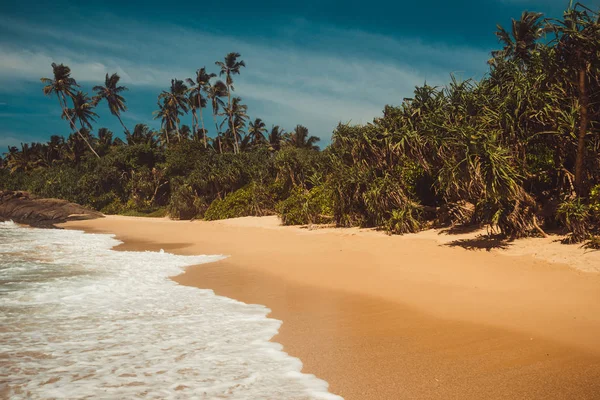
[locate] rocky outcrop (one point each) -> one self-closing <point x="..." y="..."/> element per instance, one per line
<point x="25" y="208"/>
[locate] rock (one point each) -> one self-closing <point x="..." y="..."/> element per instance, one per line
<point x="25" y="208"/>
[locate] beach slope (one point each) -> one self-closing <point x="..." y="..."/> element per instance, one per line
<point x="426" y="316"/>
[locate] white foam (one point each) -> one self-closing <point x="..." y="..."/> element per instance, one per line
<point x="82" y="321"/>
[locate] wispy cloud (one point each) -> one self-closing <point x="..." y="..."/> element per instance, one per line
<point x="8" y="139"/>
<point x="344" y="75"/>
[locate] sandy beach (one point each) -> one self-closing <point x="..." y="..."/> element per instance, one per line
<point x="423" y="316"/>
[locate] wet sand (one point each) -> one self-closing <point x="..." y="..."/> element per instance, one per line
<point x="382" y="317"/>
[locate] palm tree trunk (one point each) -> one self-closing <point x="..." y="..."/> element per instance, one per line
<point x="235" y="141"/>
<point x="201" y="118"/>
<point x="72" y="124"/>
<point x="163" y="127"/>
<point x="194" y="123"/>
<point x="217" y="131"/>
<point x="583" y="127"/>
<point x="124" y="127"/>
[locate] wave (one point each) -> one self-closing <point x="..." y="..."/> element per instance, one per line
<point x="83" y="321"/>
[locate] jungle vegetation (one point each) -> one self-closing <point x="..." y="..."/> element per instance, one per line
<point x="518" y="150"/>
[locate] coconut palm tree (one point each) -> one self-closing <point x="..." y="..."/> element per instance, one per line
<point x="168" y="114"/>
<point x="522" y="40"/>
<point x="82" y="110"/>
<point x="175" y="102"/>
<point x="111" y="92"/>
<point x="231" y="66"/>
<point x="215" y="93"/>
<point x="276" y="137"/>
<point x="142" y="134"/>
<point x="63" y="85"/>
<point x="299" y="138"/>
<point x="236" y="121"/>
<point x="200" y="84"/>
<point x="256" y="132"/>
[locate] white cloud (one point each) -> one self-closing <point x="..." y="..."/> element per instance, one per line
<point x="12" y="139"/>
<point x="346" y="75"/>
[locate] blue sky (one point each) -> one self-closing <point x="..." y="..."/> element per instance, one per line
<point x="311" y="62"/>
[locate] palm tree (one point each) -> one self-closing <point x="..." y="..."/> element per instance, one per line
<point x="256" y="131"/>
<point x="299" y="138"/>
<point x="175" y="101"/>
<point x="578" y="40"/>
<point x="169" y="117"/>
<point x="236" y="121"/>
<point x="62" y="84"/>
<point x="215" y="93"/>
<point x="56" y="146"/>
<point x="112" y="94"/>
<point x="228" y="68"/>
<point x="83" y="111"/>
<point x="141" y="135"/>
<point x="200" y="84"/>
<point x="25" y="160"/>
<point x="186" y="132"/>
<point x="276" y="136"/>
<point x="525" y="33"/>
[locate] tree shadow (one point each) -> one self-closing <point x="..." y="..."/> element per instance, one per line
<point x="460" y="229"/>
<point x="481" y="242"/>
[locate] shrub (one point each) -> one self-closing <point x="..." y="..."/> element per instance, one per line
<point x="595" y="201"/>
<point x="113" y="208"/>
<point x="251" y="200"/>
<point x="304" y="206"/>
<point x="184" y="203"/>
<point x="407" y="219"/>
<point x="574" y="214"/>
<point x="593" y="243"/>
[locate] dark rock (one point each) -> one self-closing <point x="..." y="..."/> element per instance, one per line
<point x="25" y="208"/>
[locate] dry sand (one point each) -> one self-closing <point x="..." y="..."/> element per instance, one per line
<point x="411" y="317"/>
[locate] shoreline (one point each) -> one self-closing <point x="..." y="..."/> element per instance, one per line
<point x="361" y="315"/>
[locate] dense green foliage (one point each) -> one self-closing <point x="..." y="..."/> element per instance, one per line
<point x="518" y="150"/>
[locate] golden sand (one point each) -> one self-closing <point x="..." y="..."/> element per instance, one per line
<point x="412" y="317"/>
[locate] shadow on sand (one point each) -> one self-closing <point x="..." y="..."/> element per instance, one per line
<point x="481" y="242"/>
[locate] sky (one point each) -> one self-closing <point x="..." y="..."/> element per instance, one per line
<point x="311" y="62"/>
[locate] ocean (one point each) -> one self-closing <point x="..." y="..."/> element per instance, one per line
<point x="81" y="321"/>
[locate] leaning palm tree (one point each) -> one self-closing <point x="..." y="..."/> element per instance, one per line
<point x="229" y="67"/>
<point x="112" y="94"/>
<point x="176" y="101"/>
<point x="299" y="138"/>
<point x="63" y="85"/>
<point x="256" y="132"/>
<point x="200" y="84"/>
<point x="82" y="111"/>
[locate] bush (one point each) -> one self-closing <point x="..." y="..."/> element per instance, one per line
<point x="593" y="243"/>
<point x="251" y="200"/>
<point x="574" y="214"/>
<point x="184" y="203"/>
<point x="408" y="219"/>
<point x="304" y="206"/>
<point x="595" y="201"/>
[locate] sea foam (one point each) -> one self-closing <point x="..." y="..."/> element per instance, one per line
<point x="80" y="320"/>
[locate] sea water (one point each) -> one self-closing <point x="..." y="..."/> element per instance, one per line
<point x="82" y="321"/>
